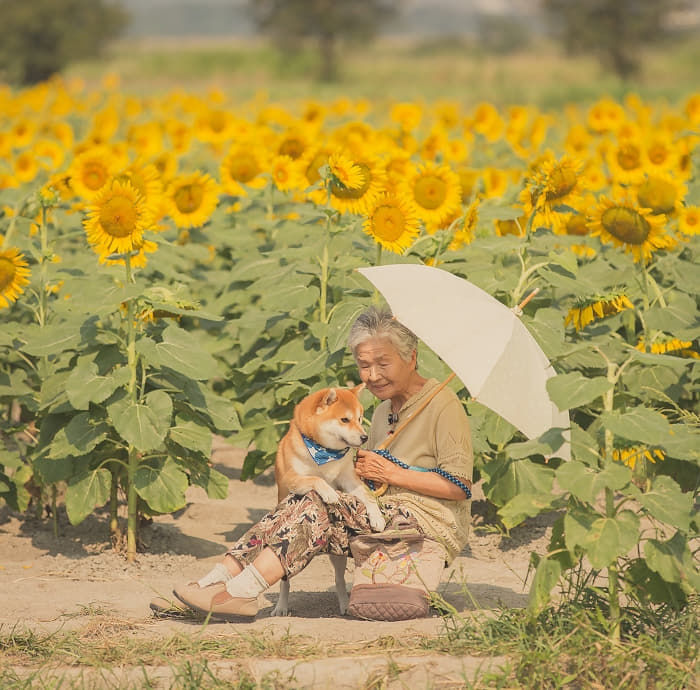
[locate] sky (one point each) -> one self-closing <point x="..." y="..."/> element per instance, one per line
<point x="229" y="17"/>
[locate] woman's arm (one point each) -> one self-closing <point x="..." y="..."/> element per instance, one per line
<point x="380" y="470"/>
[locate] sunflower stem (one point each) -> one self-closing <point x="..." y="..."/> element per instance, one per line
<point x="132" y="497"/>
<point x="114" y="503"/>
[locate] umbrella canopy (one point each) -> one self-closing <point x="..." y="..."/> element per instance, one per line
<point x="483" y="342"/>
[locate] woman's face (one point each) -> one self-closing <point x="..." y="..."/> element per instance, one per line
<point x="383" y="370"/>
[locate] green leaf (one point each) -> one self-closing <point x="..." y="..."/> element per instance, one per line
<point x="583" y="446"/>
<point x="524" y="506"/>
<point x="639" y="424"/>
<point x="610" y="538"/>
<point x="84" y="385"/>
<point x="181" y="351"/>
<point x="586" y="483"/>
<point x="189" y="434"/>
<point x="673" y="560"/>
<point x="79" y="437"/>
<point x="546" y="577"/>
<point x="85" y="492"/>
<point x="212" y="481"/>
<point x="43" y="342"/>
<point x="507" y="479"/>
<point x="161" y="406"/>
<point x="54" y="470"/>
<point x="666" y="502"/>
<point x="679" y="314"/>
<point x="574" y="389"/>
<point x="162" y="485"/>
<point x="137" y="424"/>
<point x="577" y="526"/>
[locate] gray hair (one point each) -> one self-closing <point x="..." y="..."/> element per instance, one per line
<point x="380" y="323"/>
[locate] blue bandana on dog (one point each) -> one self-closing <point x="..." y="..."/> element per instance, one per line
<point x="320" y="454"/>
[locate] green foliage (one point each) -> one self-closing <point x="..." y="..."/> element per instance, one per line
<point x="39" y="38"/>
<point x="289" y="22"/>
<point x="616" y="31"/>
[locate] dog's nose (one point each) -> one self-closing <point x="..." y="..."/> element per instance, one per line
<point x="364" y="437"/>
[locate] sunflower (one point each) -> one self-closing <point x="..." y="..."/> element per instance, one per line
<point x="554" y="184"/>
<point x="25" y="167"/>
<point x="14" y="275"/>
<point x="146" y="180"/>
<point x="406" y="115"/>
<point x="344" y="172"/>
<point x="626" y="161"/>
<point x="469" y="180"/>
<point x="664" y="345"/>
<point x="661" y="193"/>
<point x="50" y="154"/>
<point x="116" y="220"/>
<point x="392" y="222"/>
<point x="630" y="455"/>
<point x="242" y="168"/>
<point x="466" y="233"/>
<point x="91" y="171"/>
<point x="689" y="220"/>
<point x="192" y="198"/>
<point x="436" y="191"/>
<point x="214" y="126"/>
<point x="286" y="173"/>
<point x="588" y="309"/>
<point x="637" y="230"/>
<point x="364" y="197"/>
<point x="661" y="154"/>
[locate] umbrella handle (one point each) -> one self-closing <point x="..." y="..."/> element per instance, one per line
<point x="519" y="309"/>
<point x="385" y="443"/>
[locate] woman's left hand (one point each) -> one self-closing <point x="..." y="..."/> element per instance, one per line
<point x="369" y="465"/>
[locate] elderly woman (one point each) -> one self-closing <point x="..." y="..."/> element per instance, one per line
<point x="299" y="528"/>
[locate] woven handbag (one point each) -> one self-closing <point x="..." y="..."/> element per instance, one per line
<point x="394" y="572"/>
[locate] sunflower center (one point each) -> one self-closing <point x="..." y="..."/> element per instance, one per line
<point x="7" y="272"/>
<point x="217" y="121"/>
<point x="628" y="157"/>
<point x="188" y="198"/>
<point x="388" y="223"/>
<point x="291" y="147"/>
<point x="430" y="192"/>
<point x="625" y="224"/>
<point x="559" y="183"/>
<point x="118" y="217"/>
<point x="94" y="175"/>
<point x="343" y="192"/>
<point x="658" y="195"/>
<point x="576" y="225"/>
<point x="658" y="154"/>
<point x="243" y="167"/>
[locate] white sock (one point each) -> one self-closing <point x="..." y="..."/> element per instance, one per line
<point x="247" y="584"/>
<point x="219" y="573"/>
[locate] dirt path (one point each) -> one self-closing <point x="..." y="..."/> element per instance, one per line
<point x="50" y="584"/>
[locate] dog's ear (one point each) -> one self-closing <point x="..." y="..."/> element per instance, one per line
<point x="329" y="397"/>
<point x="357" y="389"/>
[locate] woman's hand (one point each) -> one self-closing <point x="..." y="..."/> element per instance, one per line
<point x="369" y="465"/>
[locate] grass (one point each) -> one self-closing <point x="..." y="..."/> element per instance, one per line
<point x="565" y="646"/>
<point x="391" y="70"/>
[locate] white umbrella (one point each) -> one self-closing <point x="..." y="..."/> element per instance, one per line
<point x="483" y="342"/>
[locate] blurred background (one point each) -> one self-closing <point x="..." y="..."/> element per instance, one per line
<point x="545" y="52"/>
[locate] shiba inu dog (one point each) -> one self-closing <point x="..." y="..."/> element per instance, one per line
<point x="315" y="454"/>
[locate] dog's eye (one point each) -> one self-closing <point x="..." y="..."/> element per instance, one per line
<point x="345" y="420"/>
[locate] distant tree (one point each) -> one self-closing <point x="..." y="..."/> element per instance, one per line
<point x="617" y="31"/>
<point x="327" y="22"/>
<point x="38" y="38"/>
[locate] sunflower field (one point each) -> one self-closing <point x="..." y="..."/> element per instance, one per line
<point x="179" y="265"/>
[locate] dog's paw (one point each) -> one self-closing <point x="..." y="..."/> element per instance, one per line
<point x="328" y="494"/>
<point x="377" y="522"/>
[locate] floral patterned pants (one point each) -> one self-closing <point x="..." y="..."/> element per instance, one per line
<point x="301" y="527"/>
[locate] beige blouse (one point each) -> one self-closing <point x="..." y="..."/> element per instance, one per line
<point x="438" y="437"/>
